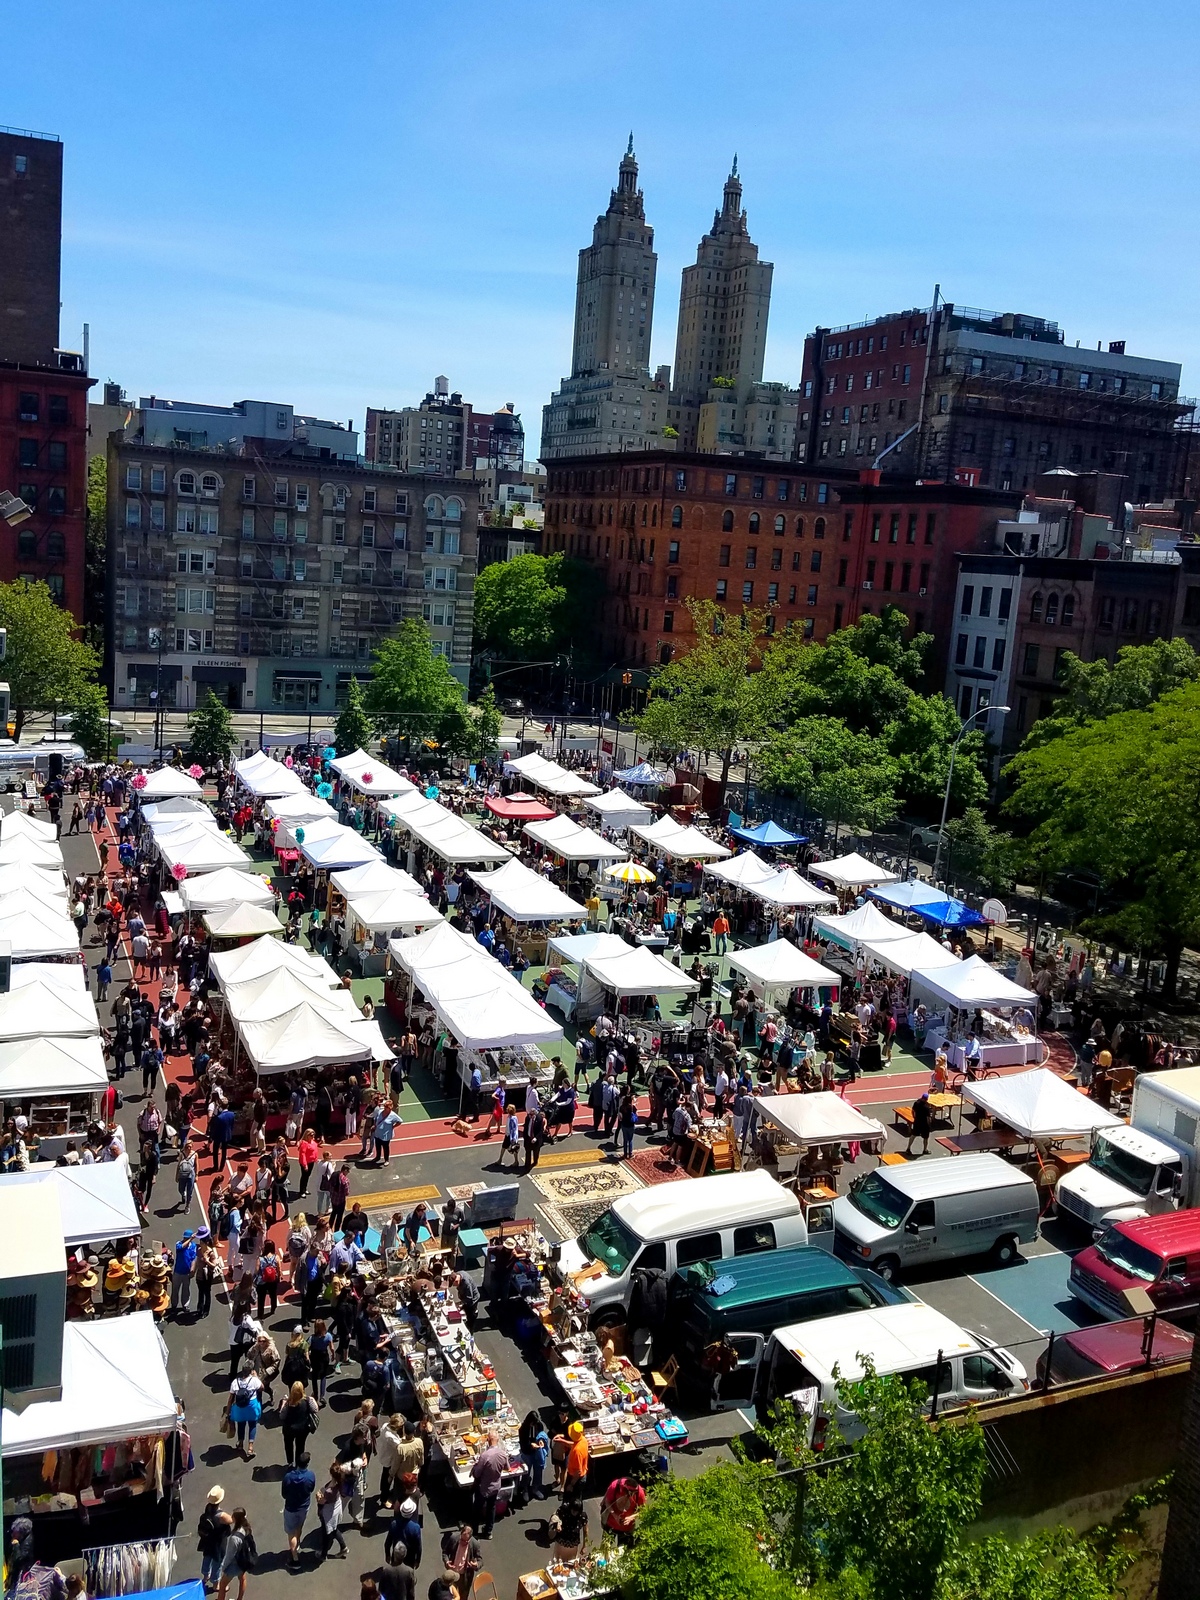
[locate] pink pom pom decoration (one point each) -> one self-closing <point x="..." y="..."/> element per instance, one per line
<point x="368" y="777"/>
<point x="139" y="780"/>
<point x="179" y="872"/>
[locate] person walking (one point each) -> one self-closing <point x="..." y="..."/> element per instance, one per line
<point x="297" y="1419"/>
<point x="241" y="1554"/>
<point x="320" y="1353"/>
<point x="308" y="1153"/>
<point x="329" y="1508"/>
<point x="627" y="1122"/>
<point x="535" y="1448"/>
<point x="212" y="1530"/>
<point x="104" y="975"/>
<point x="720" y="930"/>
<point x="185" y="1177"/>
<point x="339" y="1193"/>
<point x="183" y="1270"/>
<point x="208" y="1267"/>
<point x="297" y="1490"/>
<point x="922" y="1122"/>
<point x="534" y="1136"/>
<point x="245" y="1410"/>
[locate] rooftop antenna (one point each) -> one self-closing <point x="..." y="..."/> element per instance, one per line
<point x="629" y="149"/>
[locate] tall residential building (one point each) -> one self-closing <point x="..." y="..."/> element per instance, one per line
<point x="444" y="434"/>
<point x="610" y="401"/>
<point x="251" y="552"/>
<point x="43" y="390"/>
<point x="992" y="400"/>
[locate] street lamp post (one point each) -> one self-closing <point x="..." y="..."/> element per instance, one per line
<point x="982" y="712"/>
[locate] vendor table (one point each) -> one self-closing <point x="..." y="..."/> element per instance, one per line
<point x="562" y="998"/>
<point x="991" y="1139"/>
<point x="995" y="1053"/>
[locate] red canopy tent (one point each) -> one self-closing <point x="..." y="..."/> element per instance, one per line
<point x="519" y="808"/>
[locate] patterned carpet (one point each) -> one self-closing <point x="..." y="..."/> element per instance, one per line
<point x="574" y="1184"/>
<point x="653" y="1165"/>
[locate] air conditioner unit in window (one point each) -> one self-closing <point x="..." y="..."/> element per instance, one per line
<point x="868" y="584"/>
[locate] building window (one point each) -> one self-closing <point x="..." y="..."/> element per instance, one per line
<point x="747" y="593"/>
<point x="1035" y="608"/>
<point x="673" y="553"/>
<point x="1005" y="607"/>
<point x="905" y="576"/>
<point x="668" y="622"/>
<point x="751" y="555"/>
<point x="776" y="560"/>
<point x="1051" y="610"/>
<point x="722" y="588"/>
<point x="967" y="603"/>
<point x="869" y="582"/>
<point x="1029" y="666"/>
<point x="997" y="654"/>
<point x="27" y="453"/>
<point x="680" y="480"/>
<point x="158" y="480"/>
<point x="723" y="555"/>
<point x="133" y="478"/>
<point x="772" y="594"/>
<point x="677" y="516"/>
<point x="727" y="522"/>
<point x="1129" y="616"/>
<point x="672" y="588"/>
<point x="985" y="601"/>
<point x="889" y="568"/>
<point x="924" y="576"/>
<point x="758" y="487"/>
<point x="731" y="483"/>
<point x="894" y="528"/>
<point x="980" y="651"/>
<point x="876" y="525"/>
<point x="133" y="514"/>
<point x="960" y="650"/>
<point x="843" y="568"/>
<point x="819" y="528"/>
<point x="186" y="483"/>
<point x="812" y="595"/>
<point x="1154" y="610"/>
<point x="911" y="535"/>
<point x="930" y="526"/>
<point x="822" y="494"/>
<point x="814" y="564"/>
<point x="1108" y="611"/>
<point x="754" y="522"/>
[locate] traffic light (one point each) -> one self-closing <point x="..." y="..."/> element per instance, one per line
<point x="626" y="679"/>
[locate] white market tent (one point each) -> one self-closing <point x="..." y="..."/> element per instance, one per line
<point x="115" y="1386"/>
<point x="169" y="824"/>
<point x="200" y="849"/>
<point x="527" y="896"/>
<point x="346" y="848"/>
<point x="20" y="850"/>
<point x="234" y="920"/>
<point x="19" y="824"/>
<point x="52" y="1065"/>
<point x="852" y="872"/>
<point x="788" y="888"/>
<point x="618" y="810"/>
<point x="274" y="994"/>
<point x="267" y="779"/>
<point x="33" y="890"/>
<point x="173" y="811"/>
<point x="685" y="844"/>
<point x="313" y="829"/>
<point x="577" y="947"/>
<point x="820" y="1118"/>
<point x="64" y="977"/>
<point x="265" y="956"/>
<point x="744" y="871"/>
<point x="859" y="926"/>
<point x="374" y="877"/>
<point x="391" y="911"/>
<point x="43" y="1008"/>
<point x="302" y="808"/>
<point x="309" y="1036"/>
<point x="95" y="1202"/>
<point x="225" y="887"/>
<point x="550" y="777"/>
<point x="634" y="971"/>
<point x="1038" y="1105"/>
<point x="779" y="965"/>
<point x="167" y="784"/>
<point x="441" y="831"/>
<point x="34" y="929"/>
<point x="368" y="775"/>
<point x="971" y="983"/>
<point x="573" y="842"/>
<point x="476" y="999"/>
<point x="910" y="952"/>
<point x="46" y="883"/>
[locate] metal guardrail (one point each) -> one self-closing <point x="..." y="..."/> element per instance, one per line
<point x="31" y="133"/>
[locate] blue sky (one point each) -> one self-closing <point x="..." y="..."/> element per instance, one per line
<point x="329" y="204"/>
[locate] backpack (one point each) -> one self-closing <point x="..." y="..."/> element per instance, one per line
<point x="243" y="1394"/>
<point x="295" y="1367"/>
<point x="224" y="1225"/>
<point x="268" y="1271"/>
<point x="247" y="1555"/>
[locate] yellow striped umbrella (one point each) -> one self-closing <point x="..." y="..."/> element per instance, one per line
<point x="629" y="872"/>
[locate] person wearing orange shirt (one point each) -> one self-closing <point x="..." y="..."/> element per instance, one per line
<point x="575" y="1478"/>
<point x="720" y="930"/>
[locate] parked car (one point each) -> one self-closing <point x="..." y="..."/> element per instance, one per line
<point x="1113" y="1347"/>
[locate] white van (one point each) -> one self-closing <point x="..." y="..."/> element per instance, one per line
<point x="911" y="1341"/>
<point x="901" y="1217"/>
<point x="671" y="1225"/>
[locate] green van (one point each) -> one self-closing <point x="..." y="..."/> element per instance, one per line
<point x="750" y="1296"/>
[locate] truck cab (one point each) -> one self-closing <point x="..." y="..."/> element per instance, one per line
<point x="1130" y="1173"/>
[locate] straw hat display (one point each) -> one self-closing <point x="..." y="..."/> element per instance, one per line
<point x="79" y="1300"/>
<point x="119" y="1275"/>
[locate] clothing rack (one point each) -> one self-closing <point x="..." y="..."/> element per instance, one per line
<point x="115" y="1569"/>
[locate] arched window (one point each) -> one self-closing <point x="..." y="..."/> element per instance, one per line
<point x="727" y="522"/>
<point x="433" y="505"/>
<point x="1035" y="608"/>
<point x="819" y="528"/>
<point x="210" y="483"/>
<point x="1068" y="610"/>
<point x="781" y="523"/>
<point x="186" y="483"/>
<point x="677" y="516"/>
<point x="454" y="510"/>
<point x="1051" y="609"/>
<point x="799" y="527"/>
<point x="754" y="522"/>
<point x="697" y="519"/>
<point x="610" y="516"/>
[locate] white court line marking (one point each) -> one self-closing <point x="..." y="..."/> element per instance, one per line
<point x="1042" y="1333"/>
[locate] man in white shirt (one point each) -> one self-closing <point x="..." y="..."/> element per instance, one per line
<point x="532" y="1098"/>
<point x="864" y="1011"/>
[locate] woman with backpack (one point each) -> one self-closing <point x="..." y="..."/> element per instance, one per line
<point x="297" y="1366"/>
<point x="297" y="1418"/>
<point x="266" y="1279"/>
<point x="241" y="1554"/>
<point x="245" y="1410"/>
<point x="185" y="1177"/>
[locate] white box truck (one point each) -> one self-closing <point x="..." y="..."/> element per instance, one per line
<point x="1151" y="1165"/>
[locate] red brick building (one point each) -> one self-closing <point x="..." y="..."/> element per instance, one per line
<point x="43" y="459"/>
<point x="815" y="548"/>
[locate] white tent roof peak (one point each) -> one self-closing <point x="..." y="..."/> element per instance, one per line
<point x="1039" y="1105"/>
<point x="685" y="844"/>
<point x="852" y="872"/>
<point x="746" y="870"/>
<point x="224" y="887"/>
<point x="856" y="927"/>
<point x="167" y="783"/>
<point x="973" y="982"/>
<point x="527" y="896"/>
<point x="779" y="965"/>
<point x="573" y="842"/>
<point x="788" y="888"/>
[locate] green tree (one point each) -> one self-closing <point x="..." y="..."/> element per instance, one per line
<point x="848" y="778"/>
<point x="1141" y="674"/>
<point x="976" y="849"/>
<point x="89" y="720"/>
<point x="412" y="693"/>
<point x="1118" y="797"/>
<point x="534" y="607"/>
<point x="96" y="552"/>
<point x="1054" y="1564"/>
<point x="710" y="698"/>
<point x="702" y="1539"/>
<point x="486" y="724"/>
<point x="46" y="664"/>
<point x="921" y="737"/>
<point x="212" y="738"/>
<point x="352" y="731"/>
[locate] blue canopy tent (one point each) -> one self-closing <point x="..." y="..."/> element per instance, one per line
<point x="910" y="896"/>
<point x="951" y="913"/>
<point x="769" y="834"/>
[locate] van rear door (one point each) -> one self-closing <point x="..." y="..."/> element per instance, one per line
<point x="736" y="1388"/>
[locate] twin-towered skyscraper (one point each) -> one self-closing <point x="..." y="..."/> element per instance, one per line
<point x="611" y="402"/>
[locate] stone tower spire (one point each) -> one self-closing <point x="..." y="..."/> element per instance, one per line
<point x="614" y="298"/>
